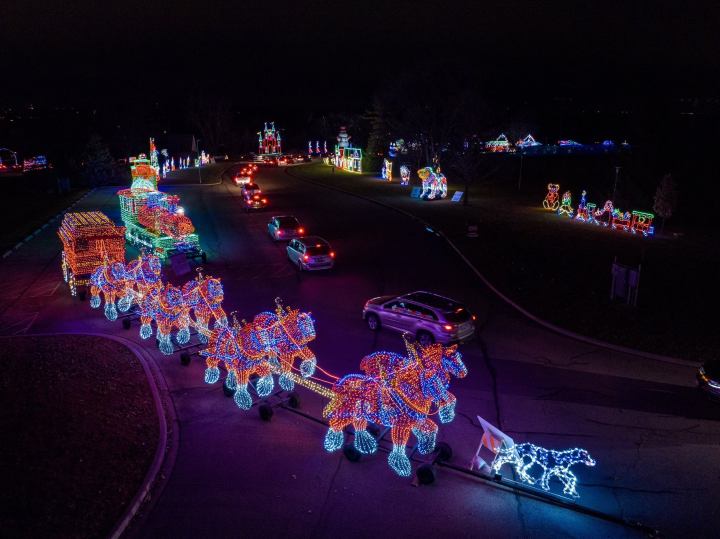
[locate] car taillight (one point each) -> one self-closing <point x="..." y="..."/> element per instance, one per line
<point x="448" y="327"/>
<point x="306" y="258"/>
<point x="264" y="200"/>
<point x="474" y="317"/>
<point x="301" y="231"/>
<point x="249" y="201"/>
<point x="332" y="254"/>
<point x="279" y="232"/>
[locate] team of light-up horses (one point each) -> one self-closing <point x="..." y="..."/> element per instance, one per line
<point x="400" y="392"/>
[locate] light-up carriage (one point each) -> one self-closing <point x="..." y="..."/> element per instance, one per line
<point x="90" y="239"/>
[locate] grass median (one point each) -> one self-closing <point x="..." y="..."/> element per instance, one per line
<point x="80" y="434"/>
<point x="560" y="269"/>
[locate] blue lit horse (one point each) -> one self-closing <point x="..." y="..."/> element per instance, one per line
<point x="396" y="392"/>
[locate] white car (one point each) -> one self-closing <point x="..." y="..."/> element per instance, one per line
<point x="311" y="253"/>
<point x="284" y="228"/>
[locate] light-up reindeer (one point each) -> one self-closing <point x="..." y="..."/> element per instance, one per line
<point x="397" y="392"/>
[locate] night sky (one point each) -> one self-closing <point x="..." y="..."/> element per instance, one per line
<point x="318" y="54"/>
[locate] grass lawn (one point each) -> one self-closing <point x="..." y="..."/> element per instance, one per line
<point x="23" y="213"/>
<point x="80" y="432"/>
<point x="559" y="269"/>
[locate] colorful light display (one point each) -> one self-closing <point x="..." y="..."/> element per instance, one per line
<point x="434" y="184"/>
<point x="609" y="216"/>
<point x="642" y="222"/>
<point x="554" y="464"/>
<point x="551" y="199"/>
<point x="153" y="219"/>
<point x="404" y="175"/>
<point x="397" y="392"/>
<point x="269" y="140"/>
<point x="90" y="239"/>
<point x="387" y="170"/>
<point x="582" y="210"/>
<point x="527" y="142"/>
<point x="566" y="205"/>
<point x="269" y="344"/>
<point x="499" y="145"/>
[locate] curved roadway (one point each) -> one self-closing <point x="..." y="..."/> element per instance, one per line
<point x="235" y="475"/>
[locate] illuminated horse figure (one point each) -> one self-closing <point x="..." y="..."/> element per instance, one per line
<point x="110" y="279"/>
<point x="553" y="463"/>
<point x="144" y="283"/>
<point x="171" y="312"/>
<point x="566" y="205"/>
<point x="288" y="332"/>
<point x="434" y="184"/>
<point x="251" y="357"/>
<point x="204" y="296"/>
<point x="404" y="175"/>
<point x="269" y="344"/>
<point x="551" y="199"/>
<point x="397" y="392"/>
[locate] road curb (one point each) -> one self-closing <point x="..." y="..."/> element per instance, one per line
<point x="503" y="297"/>
<point x="164" y="453"/>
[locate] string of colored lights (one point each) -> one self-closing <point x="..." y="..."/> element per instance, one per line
<point x="554" y="464"/>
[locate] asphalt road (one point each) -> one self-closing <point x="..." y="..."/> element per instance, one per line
<point x="235" y="475"/>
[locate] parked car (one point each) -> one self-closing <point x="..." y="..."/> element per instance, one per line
<point x="708" y="377"/>
<point x="285" y="227"/>
<point x="311" y="253"/>
<point x="429" y="317"/>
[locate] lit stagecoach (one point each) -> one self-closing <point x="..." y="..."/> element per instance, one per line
<point x="90" y="239"/>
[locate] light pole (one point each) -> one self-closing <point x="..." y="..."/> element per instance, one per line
<point x="199" y="162"/>
<point x="617" y="174"/>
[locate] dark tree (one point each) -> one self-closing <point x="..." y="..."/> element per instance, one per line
<point x="665" y="199"/>
<point x="212" y="118"/>
<point x="97" y="163"/>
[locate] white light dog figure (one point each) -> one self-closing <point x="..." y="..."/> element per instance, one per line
<point x="553" y="463"/>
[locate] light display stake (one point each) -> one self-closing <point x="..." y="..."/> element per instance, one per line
<point x="317" y="147"/>
<point x="551" y="199"/>
<point x="434" y="184"/>
<point x="397" y="392"/>
<point x="522" y="457"/>
<point x="387" y="170"/>
<point x="404" y="175"/>
<point x="310" y="150"/>
<point x="566" y="205"/>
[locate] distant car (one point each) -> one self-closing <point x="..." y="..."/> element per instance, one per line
<point x="311" y="253"/>
<point x="428" y="316"/>
<point x="306" y="159"/>
<point x="244" y="176"/>
<point x="250" y="188"/>
<point x="708" y="377"/>
<point x="270" y="161"/>
<point x="254" y="202"/>
<point x="284" y="160"/>
<point x="285" y="227"/>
